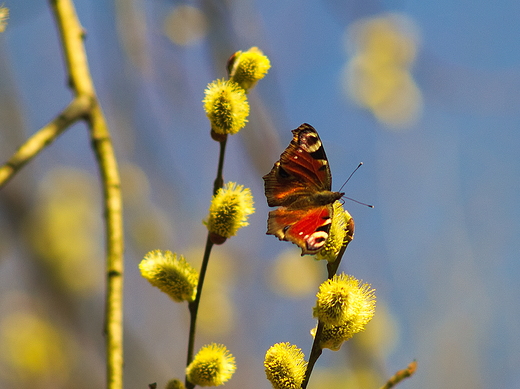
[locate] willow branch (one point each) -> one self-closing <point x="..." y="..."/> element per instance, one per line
<point x="332" y="268"/>
<point x="107" y="165"/>
<point x="316" y="352"/>
<point x="194" y="307"/>
<point x="401" y="375"/>
<point x="76" y="110"/>
<point x="219" y="180"/>
<point x="80" y="80"/>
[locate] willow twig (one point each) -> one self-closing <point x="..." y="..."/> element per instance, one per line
<point x="85" y="106"/>
<point x="219" y="180"/>
<point x="194" y="305"/>
<point x="332" y="268"/>
<point x="75" y="111"/>
<point x="72" y="34"/>
<point x="316" y="352"/>
<point x="400" y="375"/>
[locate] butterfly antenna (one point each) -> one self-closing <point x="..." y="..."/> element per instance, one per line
<point x="359" y="202"/>
<point x="349" y="198"/>
<point x="349" y="177"/>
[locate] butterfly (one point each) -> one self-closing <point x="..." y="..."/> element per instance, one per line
<point x="300" y="185"/>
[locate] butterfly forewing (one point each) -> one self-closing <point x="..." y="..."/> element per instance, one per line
<point x="301" y="171"/>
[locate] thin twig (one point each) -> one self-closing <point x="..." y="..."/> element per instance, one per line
<point x="332" y="268"/>
<point x="316" y="351"/>
<point x="71" y="35"/>
<point x="219" y="180"/>
<point x="75" y="111"/>
<point x="400" y="375"/>
<point x="194" y="305"/>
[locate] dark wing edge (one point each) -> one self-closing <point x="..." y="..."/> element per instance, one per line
<point x="303" y="169"/>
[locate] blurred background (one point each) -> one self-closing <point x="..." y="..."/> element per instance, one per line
<point x="425" y="94"/>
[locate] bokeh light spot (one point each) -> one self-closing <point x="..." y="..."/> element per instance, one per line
<point x="295" y="276"/>
<point x="64" y="230"/>
<point x="185" y="25"/>
<point x="34" y="350"/>
<point x="217" y="314"/>
<point x="378" y="76"/>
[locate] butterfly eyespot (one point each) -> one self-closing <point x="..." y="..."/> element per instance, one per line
<point x="316" y="240"/>
<point x="282" y="173"/>
<point x="310" y="143"/>
<point x="311" y="140"/>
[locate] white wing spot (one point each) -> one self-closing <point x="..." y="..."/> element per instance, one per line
<point x="316" y="240"/>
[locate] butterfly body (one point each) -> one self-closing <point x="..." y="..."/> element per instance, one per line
<point x="300" y="185"/>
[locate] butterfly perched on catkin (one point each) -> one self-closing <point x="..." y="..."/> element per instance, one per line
<point x="300" y="185"/>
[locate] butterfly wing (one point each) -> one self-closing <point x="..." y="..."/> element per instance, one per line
<point x="302" y="170"/>
<point x="308" y="228"/>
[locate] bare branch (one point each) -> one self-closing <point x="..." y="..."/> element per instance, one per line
<point x="76" y="110"/>
<point x="400" y="375"/>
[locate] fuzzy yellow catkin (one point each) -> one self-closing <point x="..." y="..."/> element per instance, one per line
<point x="226" y="106"/>
<point x="213" y="365"/>
<point x="345" y="305"/>
<point x="174" y="384"/>
<point x="229" y="211"/>
<point x="246" y="68"/>
<point x="285" y="366"/>
<point x="339" y="234"/>
<point x="171" y="274"/>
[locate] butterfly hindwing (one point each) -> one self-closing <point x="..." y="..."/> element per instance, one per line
<point x="308" y="228"/>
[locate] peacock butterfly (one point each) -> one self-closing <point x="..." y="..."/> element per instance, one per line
<point x="300" y="185"/>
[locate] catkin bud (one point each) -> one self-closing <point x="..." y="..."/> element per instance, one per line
<point x="285" y="366"/>
<point x="212" y="366"/>
<point x="226" y="106"/>
<point x="174" y="276"/>
<point x="229" y="211"/>
<point x="246" y="68"/>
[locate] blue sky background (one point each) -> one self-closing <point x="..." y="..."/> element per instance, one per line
<point x="440" y="246"/>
